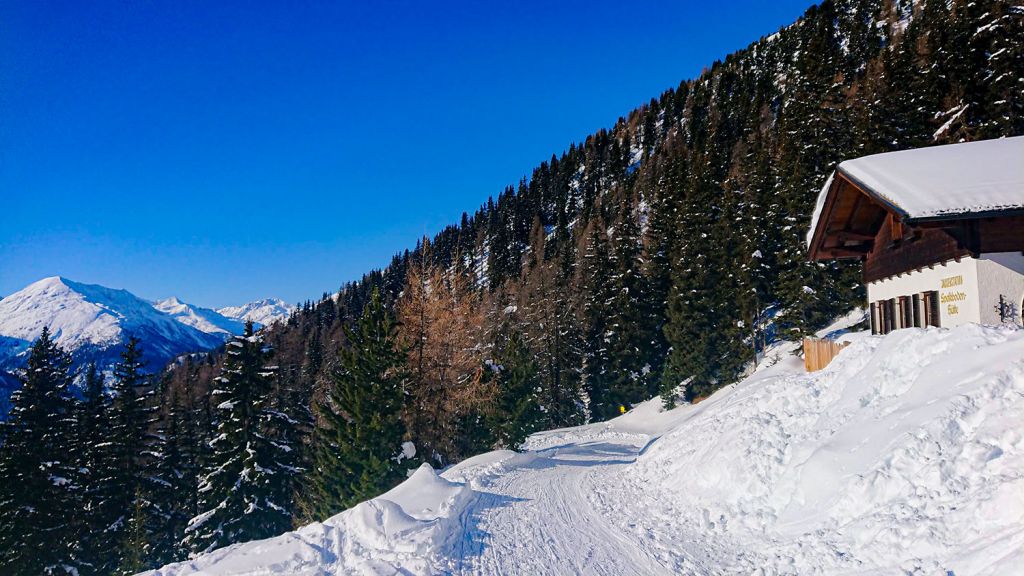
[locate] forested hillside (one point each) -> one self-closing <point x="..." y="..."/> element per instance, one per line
<point x="657" y="256"/>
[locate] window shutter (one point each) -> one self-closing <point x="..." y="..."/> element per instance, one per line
<point x="934" y="319"/>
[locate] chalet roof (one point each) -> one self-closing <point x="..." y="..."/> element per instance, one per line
<point x="940" y="181"/>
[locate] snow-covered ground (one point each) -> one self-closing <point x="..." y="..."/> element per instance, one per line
<point x="905" y="455"/>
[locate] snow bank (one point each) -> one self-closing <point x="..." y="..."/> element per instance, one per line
<point x="905" y="455"/>
<point x="400" y="531"/>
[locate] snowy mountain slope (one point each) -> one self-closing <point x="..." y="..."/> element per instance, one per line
<point x="202" y="319"/>
<point x="263" y="312"/>
<point x="92" y="323"/>
<point x="88" y="315"/>
<point x="905" y="455"/>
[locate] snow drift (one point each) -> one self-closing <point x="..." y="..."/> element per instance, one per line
<point x="905" y="455"/>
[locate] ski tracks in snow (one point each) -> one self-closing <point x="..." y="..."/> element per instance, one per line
<point x="539" y="516"/>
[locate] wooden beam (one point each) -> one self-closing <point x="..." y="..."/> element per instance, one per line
<point x="854" y="236"/>
<point x="823" y="219"/>
<point x="853" y="211"/>
<point x="843" y="252"/>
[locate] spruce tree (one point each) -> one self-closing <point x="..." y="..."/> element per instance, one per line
<point x="556" y="342"/>
<point x="135" y="538"/>
<point x="630" y="341"/>
<point x="96" y="463"/>
<point x="357" y="448"/>
<point x="599" y="294"/>
<point x="517" y="412"/>
<point x="172" y="482"/>
<point x="132" y="441"/>
<point x="236" y="487"/>
<point x="289" y="419"/>
<point x="38" y="496"/>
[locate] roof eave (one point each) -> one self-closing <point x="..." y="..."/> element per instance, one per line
<point x="817" y="237"/>
<point x="966" y="215"/>
<point x="815" y="249"/>
<point x="874" y="194"/>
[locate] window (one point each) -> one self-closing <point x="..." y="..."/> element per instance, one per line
<point x="931" y="307"/>
<point x="907" y="312"/>
<point x="917" y="310"/>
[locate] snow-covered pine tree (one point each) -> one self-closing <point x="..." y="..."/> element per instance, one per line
<point x="291" y="421"/>
<point x="38" y="495"/>
<point x="172" y="475"/>
<point x="630" y="337"/>
<point x="598" y="293"/>
<point x="98" y="549"/>
<point x="813" y="115"/>
<point x="132" y="442"/>
<point x="236" y="488"/>
<point x="186" y="425"/>
<point x="357" y="448"/>
<point x="692" y="311"/>
<point x="661" y="238"/>
<point x="555" y="337"/>
<point x="135" y="542"/>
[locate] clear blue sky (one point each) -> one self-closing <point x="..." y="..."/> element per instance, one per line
<point x="225" y="151"/>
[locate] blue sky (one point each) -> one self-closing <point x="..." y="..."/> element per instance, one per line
<point x="226" y="151"/>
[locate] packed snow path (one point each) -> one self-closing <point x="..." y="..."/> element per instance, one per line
<point x="904" y="456"/>
<point x="539" y="518"/>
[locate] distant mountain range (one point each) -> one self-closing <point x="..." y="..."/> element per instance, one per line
<point x="92" y="322"/>
<point x="263" y="312"/>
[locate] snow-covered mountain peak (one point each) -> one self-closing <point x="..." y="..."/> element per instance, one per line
<point x="263" y="312"/>
<point x="76" y="313"/>
<point x="202" y="319"/>
<point x="91" y="322"/>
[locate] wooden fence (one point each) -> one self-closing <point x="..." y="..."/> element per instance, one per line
<point x="818" y="353"/>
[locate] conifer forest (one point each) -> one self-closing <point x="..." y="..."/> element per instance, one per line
<point x="657" y="257"/>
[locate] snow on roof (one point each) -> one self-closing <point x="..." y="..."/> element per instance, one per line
<point x="983" y="176"/>
<point x="818" y="207"/>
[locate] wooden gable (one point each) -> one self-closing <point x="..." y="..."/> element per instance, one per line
<point x="849" y="222"/>
<point x="857" y="224"/>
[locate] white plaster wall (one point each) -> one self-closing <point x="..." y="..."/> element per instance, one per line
<point x="928" y="279"/>
<point x="1000" y="273"/>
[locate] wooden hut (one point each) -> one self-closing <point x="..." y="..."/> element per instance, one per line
<point x="939" y="230"/>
